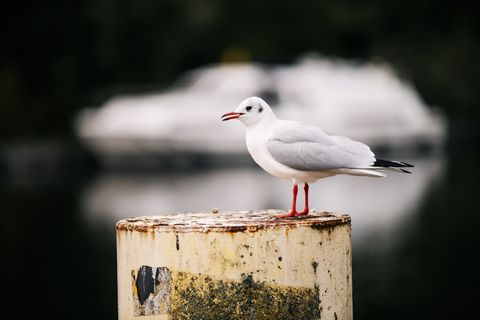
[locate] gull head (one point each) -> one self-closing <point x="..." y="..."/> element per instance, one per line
<point x="250" y="112"/>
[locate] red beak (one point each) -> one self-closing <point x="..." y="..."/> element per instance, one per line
<point x="231" y="115"/>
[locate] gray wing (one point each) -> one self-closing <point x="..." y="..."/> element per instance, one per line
<point x="305" y="147"/>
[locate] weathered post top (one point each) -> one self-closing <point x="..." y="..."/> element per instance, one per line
<point x="234" y="265"/>
<point x="229" y="221"/>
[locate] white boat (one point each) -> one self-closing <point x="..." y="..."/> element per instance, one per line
<point x="367" y="102"/>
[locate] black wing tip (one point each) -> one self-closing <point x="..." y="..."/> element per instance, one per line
<point x="392" y="164"/>
<point x="405" y="171"/>
<point x="407" y="165"/>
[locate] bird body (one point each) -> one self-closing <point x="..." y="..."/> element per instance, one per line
<point x="301" y="152"/>
<point x="258" y="138"/>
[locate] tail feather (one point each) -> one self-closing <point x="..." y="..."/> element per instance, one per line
<point x="369" y="172"/>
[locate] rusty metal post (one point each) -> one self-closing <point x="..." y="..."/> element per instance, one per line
<point x="234" y="265"/>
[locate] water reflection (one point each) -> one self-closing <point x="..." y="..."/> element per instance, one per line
<point x="377" y="205"/>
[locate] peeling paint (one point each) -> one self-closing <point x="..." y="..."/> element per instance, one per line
<point x="151" y="291"/>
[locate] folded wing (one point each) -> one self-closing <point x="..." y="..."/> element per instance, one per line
<point x="305" y="147"/>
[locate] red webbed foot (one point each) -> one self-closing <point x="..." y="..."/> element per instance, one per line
<point x="286" y="215"/>
<point x="302" y="213"/>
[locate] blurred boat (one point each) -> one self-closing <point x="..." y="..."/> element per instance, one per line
<point x="367" y="102"/>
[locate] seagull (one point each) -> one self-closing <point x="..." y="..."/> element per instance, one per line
<point x="302" y="152"/>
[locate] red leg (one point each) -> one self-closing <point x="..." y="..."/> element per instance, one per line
<point x="306" y="210"/>
<point x="294" y="204"/>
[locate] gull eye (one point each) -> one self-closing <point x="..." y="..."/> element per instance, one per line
<point x="248" y="108"/>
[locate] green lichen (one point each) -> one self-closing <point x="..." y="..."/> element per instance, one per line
<point x="198" y="297"/>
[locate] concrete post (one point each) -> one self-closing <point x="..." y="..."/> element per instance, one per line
<point x="234" y="265"/>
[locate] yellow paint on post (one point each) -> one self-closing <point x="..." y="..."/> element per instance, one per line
<point x="234" y="265"/>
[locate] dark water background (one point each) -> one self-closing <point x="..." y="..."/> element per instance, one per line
<point x="58" y="261"/>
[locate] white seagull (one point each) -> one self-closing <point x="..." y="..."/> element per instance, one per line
<point x="301" y="152"/>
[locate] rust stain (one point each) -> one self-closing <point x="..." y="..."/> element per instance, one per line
<point x="231" y="221"/>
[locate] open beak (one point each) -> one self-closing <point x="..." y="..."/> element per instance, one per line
<point x="231" y="115"/>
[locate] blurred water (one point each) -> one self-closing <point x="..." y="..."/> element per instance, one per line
<point x="413" y="235"/>
<point x="374" y="203"/>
